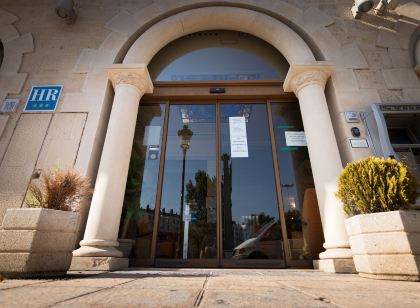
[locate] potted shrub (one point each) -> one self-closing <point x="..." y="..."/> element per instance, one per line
<point x="37" y="241"/>
<point x="384" y="236"/>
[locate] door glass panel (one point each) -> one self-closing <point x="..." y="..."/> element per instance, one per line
<point x="303" y="222"/>
<point x="187" y="221"/>
<point x="140" y="196"/>
<point x="250" y="212"/>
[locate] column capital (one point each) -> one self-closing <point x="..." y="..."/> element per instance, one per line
<point x="301" y="75"/>
<point x="135" y="75"/>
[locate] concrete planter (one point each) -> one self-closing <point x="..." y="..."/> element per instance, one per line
<point x="37" y="242"/>
<point x="386" y="245"/>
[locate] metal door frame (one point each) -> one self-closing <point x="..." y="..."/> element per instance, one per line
<point x="197" y="96"/>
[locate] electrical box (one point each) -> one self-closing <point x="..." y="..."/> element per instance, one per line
<point x="352" y="116"/>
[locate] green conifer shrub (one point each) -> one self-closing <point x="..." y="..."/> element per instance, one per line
<point x="376" y="185"/>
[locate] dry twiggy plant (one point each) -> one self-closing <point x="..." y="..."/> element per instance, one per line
<point x="59" y="190"/>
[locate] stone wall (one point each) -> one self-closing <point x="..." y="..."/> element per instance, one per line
<point x="374" y="57"/>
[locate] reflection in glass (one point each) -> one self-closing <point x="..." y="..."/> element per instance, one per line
<point x="187" y="222"/>
<point x="218" y="55"/>
<point x="140" y="196"/>
<point x="250" y="212"/>
<point x="303" y="223"/>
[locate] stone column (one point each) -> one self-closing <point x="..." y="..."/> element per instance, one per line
<point x="308" y="81"/>
<point x="99" y="246"/>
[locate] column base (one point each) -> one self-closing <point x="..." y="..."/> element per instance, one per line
<point x="98" y="263"/>
<point x="338" y="266"/>
<point x="336" y="251"/>
<point x="97" y="251"/>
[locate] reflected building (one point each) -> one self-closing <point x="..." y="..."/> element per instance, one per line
<point x="227" y="202"/>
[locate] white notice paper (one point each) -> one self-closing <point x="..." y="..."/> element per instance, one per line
<point x="238" y="139"/>
<point x="295" y="139"/>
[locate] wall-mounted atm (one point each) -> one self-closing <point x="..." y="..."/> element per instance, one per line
<point x="394" y="131"/>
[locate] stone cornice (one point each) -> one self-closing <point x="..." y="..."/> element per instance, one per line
<point x="302" y="75"/>
<point x="133" y="75"/>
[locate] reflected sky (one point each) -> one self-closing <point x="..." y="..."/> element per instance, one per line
<point x="218" y="63"/>
<point x="149" y="116"/>
<point x="201" y="120"/>
<point x="253" y="182"/>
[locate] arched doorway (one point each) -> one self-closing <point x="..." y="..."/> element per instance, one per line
<point x="306" y="78"/>
<point x="236" y="208"/>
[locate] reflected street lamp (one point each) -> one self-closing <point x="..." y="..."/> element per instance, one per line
<point x="287" y="186"/>
<point x="184" y="135"/>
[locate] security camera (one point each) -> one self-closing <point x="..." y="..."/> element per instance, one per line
<point x="361" y="6"/>
<point x="65" y="10"/>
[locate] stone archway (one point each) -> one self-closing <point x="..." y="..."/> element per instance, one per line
<point x="306" y="78"/>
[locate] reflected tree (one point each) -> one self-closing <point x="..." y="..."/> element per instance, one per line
<point x="202" y="233"/>
<point x="264" y="218"/>
<point x="131" y="205"/>
<point x="228" y="224"/>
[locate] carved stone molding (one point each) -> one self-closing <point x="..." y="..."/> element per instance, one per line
<point x="300" y="76"/>
<point x="132" y="79"/>
<point x="135" y="75"/>
<point x="309" y="77"/>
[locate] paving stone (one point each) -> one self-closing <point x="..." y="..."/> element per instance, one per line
<point x="240" y="283"/>
<point x="137" y="297"/>
<point x="39" y="295"/>
<point x="278" y="297"/>
<point x="15" y="283"/>
<point x="162" y="282"/>
<point x="89" y="282"/>
<point x="210" y="288"/>
<point x="362" y="293"/>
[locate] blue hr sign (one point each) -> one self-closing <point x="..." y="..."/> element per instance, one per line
<point x="43" y="98"/>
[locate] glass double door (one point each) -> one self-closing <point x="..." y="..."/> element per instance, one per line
<point x="206" y="186"/>
<point x="219" y="198"/>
